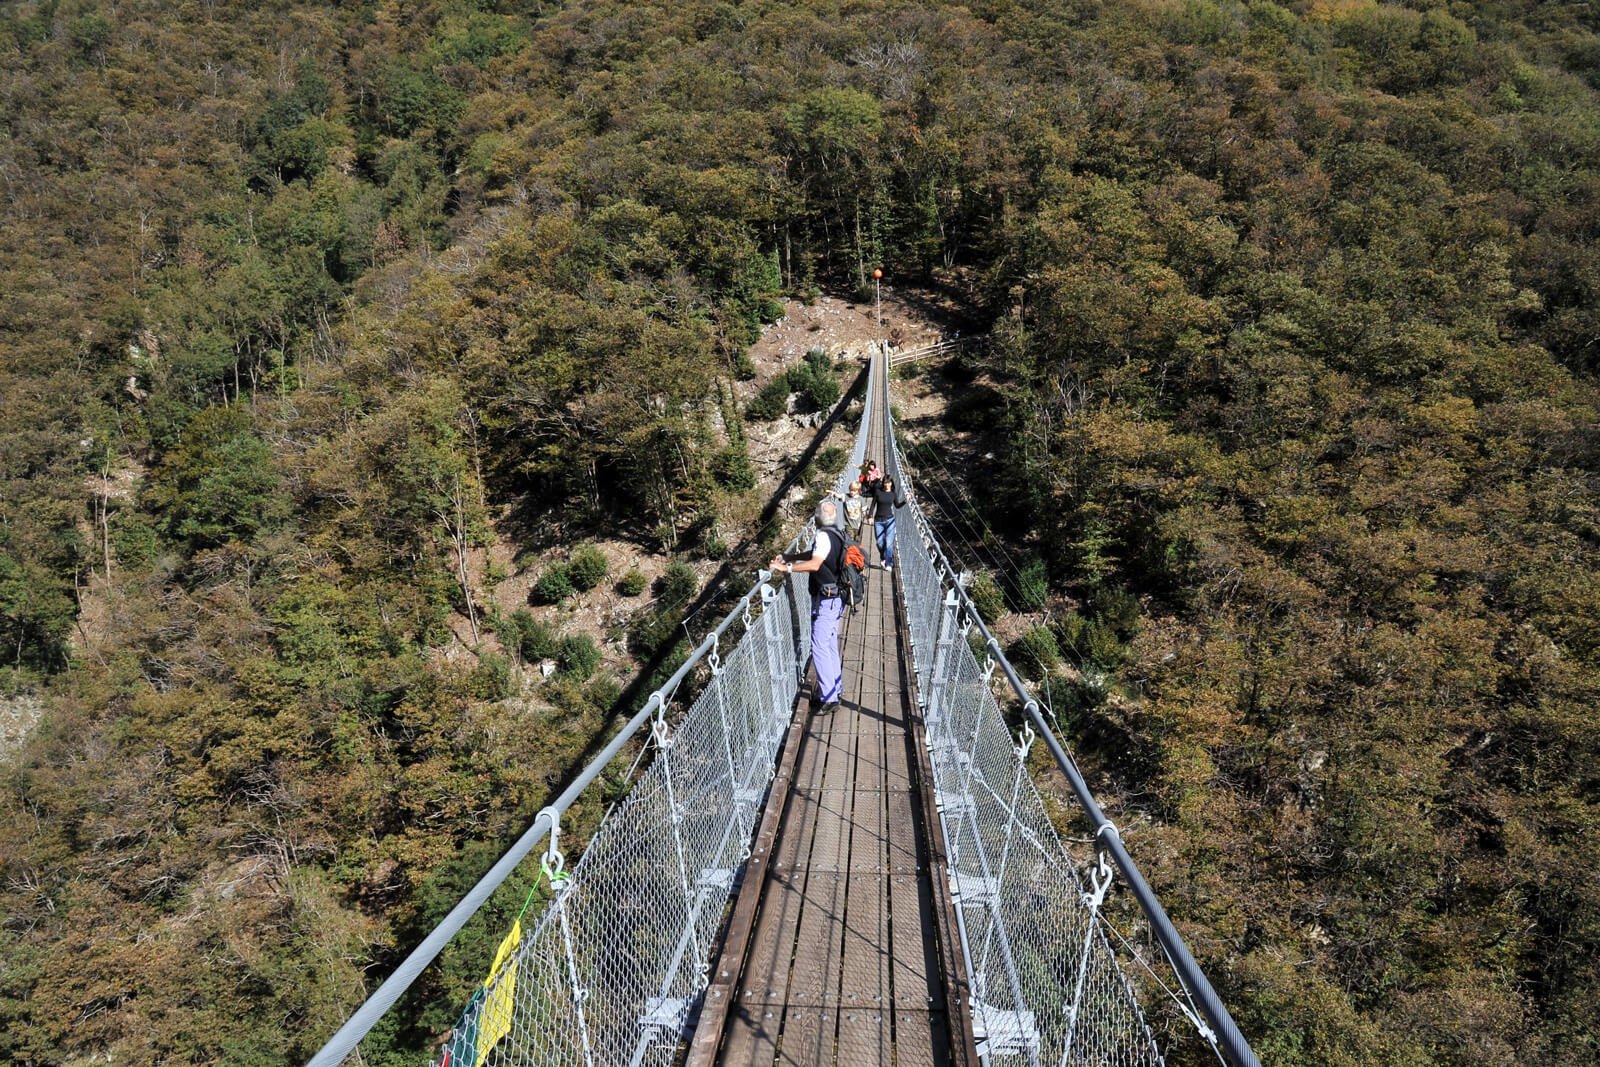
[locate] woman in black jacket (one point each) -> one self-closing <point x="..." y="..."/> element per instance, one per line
<point x="885" y="499"/>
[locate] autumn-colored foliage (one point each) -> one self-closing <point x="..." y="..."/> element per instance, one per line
<point x="1293" y="393"/>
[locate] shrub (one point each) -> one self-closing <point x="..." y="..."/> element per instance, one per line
<point x="1101" y="646"/>
<point x="491" y="678"/>
<point x="815" y="379"/>
<point x="1032" y="586"/>
<point x="744" y="368"/>
<point x="712" y="546"/>
<point x="1091" y="640"/>
<point x="771" y="402"/>
<point x="533" y="639"/>
<point x="1119" y="609"/>
<point x="135" y="542"/>
<point x="976" y="410"/>
<point x="587" y="568"/>
<point x="1036" y="651"/>
<point x="675" y="587"/>
<point x="603" y="693"/>
<point x="653" y="632"/>
<point x="554" y="585"/>
<point x="986" y="597"/>
<point x="632" y="583"/>
<point x="579" y="655"/>
<point x="731" y="469"/>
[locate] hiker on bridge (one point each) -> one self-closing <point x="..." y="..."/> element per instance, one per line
<point x="825" y="564"/>
<point x="885" y="499"/>
<point x="854" y="506"/>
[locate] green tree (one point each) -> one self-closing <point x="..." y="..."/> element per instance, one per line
<point x="218" y="485"/>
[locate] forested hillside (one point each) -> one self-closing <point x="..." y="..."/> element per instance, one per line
<point x="305" y="306"/>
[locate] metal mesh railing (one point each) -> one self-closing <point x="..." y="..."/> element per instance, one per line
<point x="1047" y="987"/>
<point x="612" y="971"/>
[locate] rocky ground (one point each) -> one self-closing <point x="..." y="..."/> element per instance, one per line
<point x="17" y="716"/>
<point x="846" y="331"/>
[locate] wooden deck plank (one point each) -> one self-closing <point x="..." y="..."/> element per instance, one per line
<point x="752" y="1035"/>
<point x="765" y="979"/>
<point x="864" y="979"/>
<point x="793" y="848"/>
<point x="807" y="1037"/>
<point x="904" y="855"/>
<point x="864" y="1037"/>
<point x="921" y="1039"/>
<point x="831" y="839"/>
<point x="913" y="942"/>
<point x="813" y="753"/>
<point x="814" y="981"/>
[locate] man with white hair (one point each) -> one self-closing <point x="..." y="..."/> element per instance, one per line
<point x="825" y="564"/>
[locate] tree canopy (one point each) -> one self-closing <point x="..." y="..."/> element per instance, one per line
<point x="1295" y="311"/>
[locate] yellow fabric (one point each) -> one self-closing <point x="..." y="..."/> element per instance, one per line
<point x="494" y="1021"/>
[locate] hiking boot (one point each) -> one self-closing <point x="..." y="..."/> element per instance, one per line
<point x="829" y="708"/>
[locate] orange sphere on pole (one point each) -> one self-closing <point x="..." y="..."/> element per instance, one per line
<point x="877" y="274"/>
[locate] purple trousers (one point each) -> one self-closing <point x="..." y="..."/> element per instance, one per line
<point x="825" y="649"/>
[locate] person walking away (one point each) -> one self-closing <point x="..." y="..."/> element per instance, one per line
<point x="825" y="564"/>
<point x="885" y="499"/>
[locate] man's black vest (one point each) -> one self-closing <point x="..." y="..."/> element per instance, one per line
<point x="832" y="565"/>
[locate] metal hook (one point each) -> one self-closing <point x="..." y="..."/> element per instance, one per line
<point x="554" y="863"/>
<point x="1025" y="742"/>
<point x="1100" y="881"/>
<point x="1101" y="876"/>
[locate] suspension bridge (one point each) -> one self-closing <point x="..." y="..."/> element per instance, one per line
<point x="879" y="886"/>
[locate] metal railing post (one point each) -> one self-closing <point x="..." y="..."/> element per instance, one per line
<point x="941" y="656"/>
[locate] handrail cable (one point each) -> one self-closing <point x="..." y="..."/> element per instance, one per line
<point x="959" y="486"/>
<point x="759" y="593"/>
<point x="955" y="514"/>
<point x="1223" y="1031"/>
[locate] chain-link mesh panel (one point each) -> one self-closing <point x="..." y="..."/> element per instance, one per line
<point x="612" y="971"/>
<point x="1047" y="987"/>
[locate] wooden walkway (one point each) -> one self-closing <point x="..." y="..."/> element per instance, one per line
<point x="844" y="961"/>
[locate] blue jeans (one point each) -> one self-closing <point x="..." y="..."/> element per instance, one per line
<point x="885" y="531"/>
<point x="825" y="648"/>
